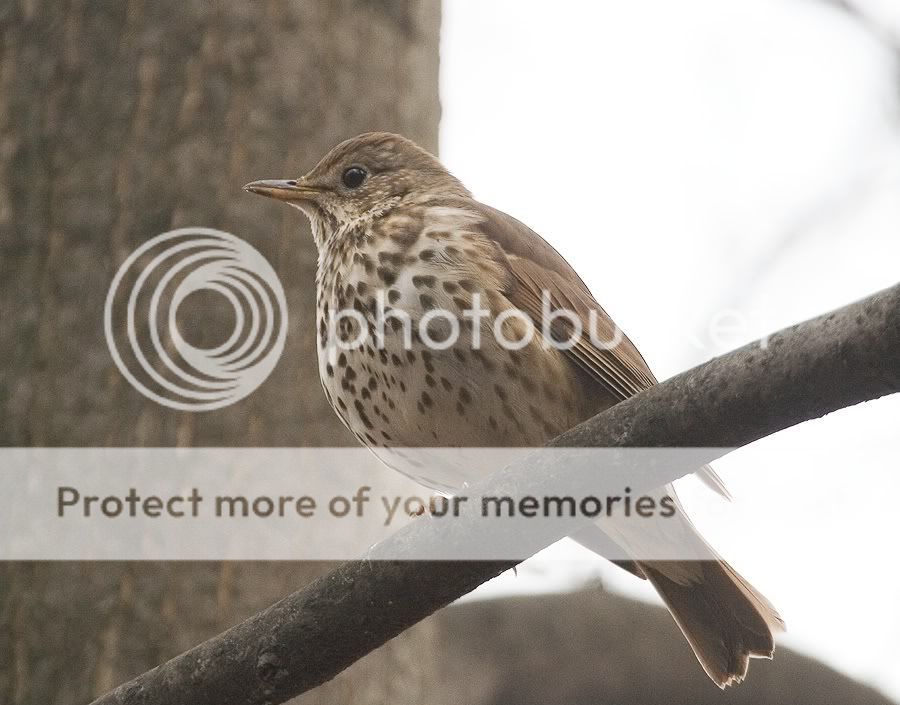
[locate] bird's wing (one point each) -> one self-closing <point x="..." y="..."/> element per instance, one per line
<point x="537" y="271"/>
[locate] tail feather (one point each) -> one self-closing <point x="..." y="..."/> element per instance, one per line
<point x="723" y="618"/>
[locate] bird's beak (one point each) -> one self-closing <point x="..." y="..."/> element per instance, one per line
<point x="287" y="190"/>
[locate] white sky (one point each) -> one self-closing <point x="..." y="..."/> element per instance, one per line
<point x="698" y="161"/>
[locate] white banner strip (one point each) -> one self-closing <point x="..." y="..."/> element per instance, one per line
<point x="322" y="503"/>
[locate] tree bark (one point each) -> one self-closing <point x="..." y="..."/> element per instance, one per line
<point x="119" y="120"/>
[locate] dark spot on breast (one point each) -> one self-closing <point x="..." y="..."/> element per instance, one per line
<point x="500" y="391"/>
<point x="468" y="285"/>
<point x="511" y="371"/>
<point x="446" y="383"/>
<point x="426" y="399"/>
<point x="493" y="422"/>
<point x="404" y="237"/>
<point x="388" y="276"/>
<point x="460" y="354"/>
<point x="464" y="396"/>
<point x="461" y="303"/>
<point x="373" y="383"/>
<point x="341" y="404"/>
<point x="460" y="409"/>
<point x="350" y="374"/>
<point x="362" y="414"/>
<point x="440" y="330"/>
<point x="450" y="286"/>
<point x="394" y="258"/>
<point x="342" y="360"/>
<point x="426" y="301"/>
<point x="396" y="360"/>
<point x="393" y="296"/>
<point x="410" y="356"/>
<point x="329" y="370"/>
<point x="426" y="255"/>
<point x="424" y="280"/>
<point x="429" y="380"/>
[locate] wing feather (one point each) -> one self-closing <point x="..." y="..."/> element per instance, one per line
<point x="536" y="270"/>
<point x="538" y="273"/>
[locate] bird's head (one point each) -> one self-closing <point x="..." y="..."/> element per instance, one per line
<point x="365" y="175"/>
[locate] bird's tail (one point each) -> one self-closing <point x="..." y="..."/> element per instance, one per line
<point x="724" y="619"/>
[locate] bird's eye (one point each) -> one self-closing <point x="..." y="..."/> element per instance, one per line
<point x="354" y="176"/>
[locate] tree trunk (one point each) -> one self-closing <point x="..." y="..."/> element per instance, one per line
<point x="119" y="120"/>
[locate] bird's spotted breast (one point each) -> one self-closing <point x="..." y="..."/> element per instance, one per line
<point x="438" y="376"/>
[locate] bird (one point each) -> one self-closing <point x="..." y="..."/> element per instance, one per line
<point x="396" y="231"/>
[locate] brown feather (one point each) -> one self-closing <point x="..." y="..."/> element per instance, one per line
<point x="725" y="620"/>
<point x="536" y="267"/>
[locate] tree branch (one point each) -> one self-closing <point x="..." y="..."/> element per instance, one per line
<point x="835" y="361"/>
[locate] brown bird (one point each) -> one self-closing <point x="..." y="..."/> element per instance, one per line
<point x="392" y="224"/>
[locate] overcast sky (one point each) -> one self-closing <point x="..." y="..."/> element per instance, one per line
<point x="716" y="170"/>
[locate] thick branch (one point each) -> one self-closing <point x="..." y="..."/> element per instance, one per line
<point x="835" y="361"/>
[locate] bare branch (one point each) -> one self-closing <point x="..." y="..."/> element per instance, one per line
<point x="804" y="372"/>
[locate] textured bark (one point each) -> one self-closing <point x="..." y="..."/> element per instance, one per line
<point x="815" y="368"/>
<point x="119" y="120"/>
